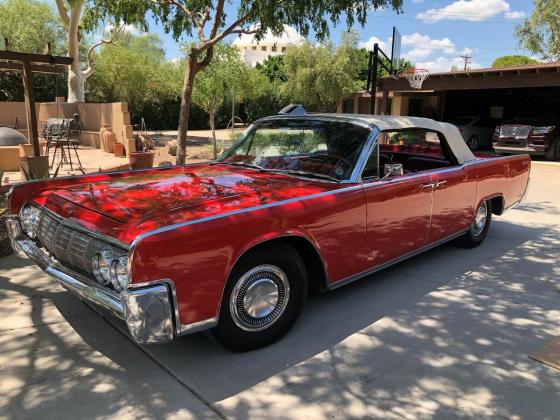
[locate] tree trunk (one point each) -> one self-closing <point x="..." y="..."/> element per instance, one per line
<point x="186" y="99"/>
<point x="213" y="127"/>
<point x="75" y="74"/>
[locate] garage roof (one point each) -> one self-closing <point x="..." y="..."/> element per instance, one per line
<point x="532" y="75"/>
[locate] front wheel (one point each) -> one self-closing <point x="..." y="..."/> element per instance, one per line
<point x="479" y="227"/>
<point x="263" y="298"/>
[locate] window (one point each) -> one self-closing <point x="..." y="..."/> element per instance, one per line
<point x="310" y="147"/>
<point x="415" y="149"/>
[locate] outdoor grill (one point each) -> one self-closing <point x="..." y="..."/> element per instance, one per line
<point x="71" y="247"/>
<point x="11" y="137"/>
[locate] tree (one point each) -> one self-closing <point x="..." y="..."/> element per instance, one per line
<point x="207" y="20"/>
<point x="539" y="33"/>
<point x="127" y="71"/>
<point x="273" y="68"/>
<point x="513" y="60"/>
<point x="70" y="12"/>
<point x="225" y="76"/>
<point x="29" y="25"/>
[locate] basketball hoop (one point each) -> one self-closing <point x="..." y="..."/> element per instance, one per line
<point x="415" y="76"/>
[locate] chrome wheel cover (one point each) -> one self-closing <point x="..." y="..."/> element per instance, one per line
<point x="479" y="220"/>
<point x="259" y="298"/>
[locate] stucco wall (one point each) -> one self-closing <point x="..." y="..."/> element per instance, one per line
<point x="93" y="116"/>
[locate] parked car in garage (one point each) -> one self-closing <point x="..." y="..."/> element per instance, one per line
<point x="311" y="201"/>
<point x="539" y="137"/>
<point x="476" y="131"/>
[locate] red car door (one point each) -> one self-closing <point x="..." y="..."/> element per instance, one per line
<point x="398" y="216"/>
<point x="453" y="200"/>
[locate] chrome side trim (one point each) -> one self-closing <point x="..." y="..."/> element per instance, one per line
<point x="394" y="261"/>
<point x="241" y="211"/>
<point x="195" y="327"/>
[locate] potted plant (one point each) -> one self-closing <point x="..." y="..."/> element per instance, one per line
<point x="141" y="160"/>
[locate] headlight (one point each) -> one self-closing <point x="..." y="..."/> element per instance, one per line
<point x="543" y="130"/>
<point x="29" y="218"/>
<point x="108" y="268"/>
<point x="102" y="267"/>
<point x="119" y="273"/>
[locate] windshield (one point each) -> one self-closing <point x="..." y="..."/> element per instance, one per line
<point x="315" y="148"/>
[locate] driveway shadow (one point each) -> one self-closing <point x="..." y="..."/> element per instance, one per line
<point x="353" y="344"/>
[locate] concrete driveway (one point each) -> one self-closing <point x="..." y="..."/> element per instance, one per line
<point x="445" y="334"/>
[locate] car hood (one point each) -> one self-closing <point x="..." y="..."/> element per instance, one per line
<point x="148" y="200"/>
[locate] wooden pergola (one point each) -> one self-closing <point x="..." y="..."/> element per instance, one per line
<point x="28" y="64"/>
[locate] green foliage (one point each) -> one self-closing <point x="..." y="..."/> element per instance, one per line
<point x="513" y="60"/>
<point x="29" y="25"/>
<point x="274" y="67"/>
<point x="540" y="33"/>
<point x="304" y="15"/>
<point x="223" y="79"/>
<point x="130" y="71"/>
<point x="318" y="76"/>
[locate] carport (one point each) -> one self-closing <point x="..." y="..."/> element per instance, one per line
<point x="501" y="93"/>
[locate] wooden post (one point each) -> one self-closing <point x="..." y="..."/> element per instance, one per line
<point x="385" y="103"/>
<point x="30" y="107"/>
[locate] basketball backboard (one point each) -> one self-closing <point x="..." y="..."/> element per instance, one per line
<point x="396" y="50"/>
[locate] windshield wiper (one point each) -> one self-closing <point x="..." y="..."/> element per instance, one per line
<point x="305" y="174"/>
<point x="245" y="164"/>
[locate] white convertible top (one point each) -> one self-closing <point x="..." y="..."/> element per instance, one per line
<point x="388" y="122"/>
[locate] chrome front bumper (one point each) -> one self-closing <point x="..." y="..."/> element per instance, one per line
<point x="147" y="311"/>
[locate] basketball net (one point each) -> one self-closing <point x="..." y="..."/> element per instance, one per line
<point x="415" y="76"/>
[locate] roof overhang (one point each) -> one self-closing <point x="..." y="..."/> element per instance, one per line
<point x="539" y="75"/>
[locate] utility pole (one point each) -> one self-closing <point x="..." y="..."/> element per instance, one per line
<point x="467" y="59"/>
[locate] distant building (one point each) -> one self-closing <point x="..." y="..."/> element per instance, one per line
<point x="254" y="52"/>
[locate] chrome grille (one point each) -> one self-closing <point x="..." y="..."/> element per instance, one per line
<point x="519" y="132"/>
<point x="72" y="248"/>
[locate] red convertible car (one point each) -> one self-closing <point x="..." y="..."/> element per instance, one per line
<point x="299" y="202"/>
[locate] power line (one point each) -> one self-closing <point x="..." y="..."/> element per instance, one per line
<point x="467" y="59"/>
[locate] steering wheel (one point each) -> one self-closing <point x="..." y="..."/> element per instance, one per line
<point x="341" y="167"/>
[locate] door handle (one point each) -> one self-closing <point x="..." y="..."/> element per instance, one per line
<point x="437" y="184"/>
<point x="430" y="185"/>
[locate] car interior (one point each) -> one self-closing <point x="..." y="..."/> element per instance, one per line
<point x="416" y="150"/>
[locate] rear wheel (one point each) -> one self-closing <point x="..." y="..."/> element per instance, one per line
<point x="553" y="152"/>
<point x="472" y="142"/>
<point x="262" y="299"/>
<point x="479" y="227"/>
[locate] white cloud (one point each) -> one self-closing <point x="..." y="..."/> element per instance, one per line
<point x="470" y="10"/>
<point x="442" y="64"/>
<point x="515" y="15"/>
<point x="130" y="29"/>
<point x="425" y="42"/>
<point x="368" y="45"/>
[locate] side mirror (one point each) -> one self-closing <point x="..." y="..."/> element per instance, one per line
<point x="392" y="169"/>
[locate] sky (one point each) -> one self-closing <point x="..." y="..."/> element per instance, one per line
<point x="434" y="33"/>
